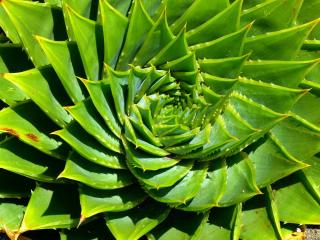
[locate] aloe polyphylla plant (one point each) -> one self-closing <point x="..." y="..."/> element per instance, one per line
<point x="192" y="119"/>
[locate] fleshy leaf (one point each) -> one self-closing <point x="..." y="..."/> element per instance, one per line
<point x="87" y="36"/>
<point x="270" y="46"/>
<point x="88" y="147"/>
<point x="93" y="175"/>
<point x="241" y="184"/>
<point x="28" y="161"/>
<point x="215" y="27"/>
<point x="140" y="24"/>
<point x="32" y="79"/>
<point x="60" y="58"/>
<point x="94" y="201"/>
<point x="29" y="19"/>
<point x="135" y="223"/>
<point x="50" y="208"/>
<point x="112" y="19"/>
<point x="87" y="116"/>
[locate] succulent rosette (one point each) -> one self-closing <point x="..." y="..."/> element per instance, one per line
<point x="156" y="119"/>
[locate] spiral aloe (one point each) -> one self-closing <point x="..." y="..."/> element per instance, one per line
<point x="172" y="119"/>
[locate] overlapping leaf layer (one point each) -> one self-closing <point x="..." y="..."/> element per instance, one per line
<point x="173" y="119"/>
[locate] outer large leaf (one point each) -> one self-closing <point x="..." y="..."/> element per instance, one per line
<point x="49" y="207"/>
<point x="112" y="19"/>
<point x="28" y="161"/>
<point x="93" y="175"/>
<point x="140" y="24"/>
<point x="271" y="163"/>
<point x="241" y="183"/>
<point x="88" y="147"/>
<point x="133" y="224"/>
<point x="31" y="19"/>
<point x="59" y="56"/>
<point x="88" y="41"/>
<point x="95" y="201"/>
<point x="87" y="116"/>
<point x="183" y="190"/>
<point x="175" y="227"/>
<point x="20" y="122"/>
<point x="270" y="46"/>
<point x="11" y="215"/>
<point x="305" y="208"/>
<point x="215" y="27"/>
<point x="212" y="189"/>
<point x="37" y="79"/>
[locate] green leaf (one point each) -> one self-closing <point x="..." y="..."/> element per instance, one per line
<point x="158" y="37"/>
<point x="241" y="184"/>
<point x="212" y="189"/>
<point x="176" y="48"/>
<point x="272" y="164"/>
<point x="93" y="175"/>
<point x="8" y="27"/>
<point x="49" y="208"/>
<point x="140" y="24"/>
<point x="163" y="177"/>
<point x="270" y="46"/>
<point x="308" y="12"/>
<point x="117" y="90"/>
<point x="14" y="186"/>
<point x="217" y="84"/>
<point x="306" y="108"/>
<point x="216" y="26"/>
<point x="33" y="79"/>
<point x="225" y="67"/>
<point x="269" y="95"/>
<point x="147" y="161"/>
<point x="89" y="148"/>
<point x="176" y="227"/>
<point x="29" y="19"/>
<point x="256" y="221"/>
<point x="10" y="93"/>
<point x="283" y="73"/>
<point x="112" y="19"/>
<point x="86" y="34"/>
<point x="236" y="125"/>
<point x="186" y="63"/>
<point x="291" y="129"/>
<point x="94" y="201"/>
<point x="182" y="191"/>
<point x="11" y="215"/>
<point x="179" y="138"/>
<point x="198" y="13"/>
<point x="87" y="116"/>
<point x="100" y="92"/>
<point x="272" y="15"/>
<point x="21" y="122"/>
<point x="83" y="7"/>
<point x="135" y="223"/>
<point x="220" y="224"/>
<point x="304" y="209"/>
<point x="28" y="161"/>
<point x="59" y="56"/>
<point x="217" y="48"/>
<point x="312" y="172"/>
<point x="258" y="116"/>
<point x="121" y="6"/>
<point x="198" y="141"/>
